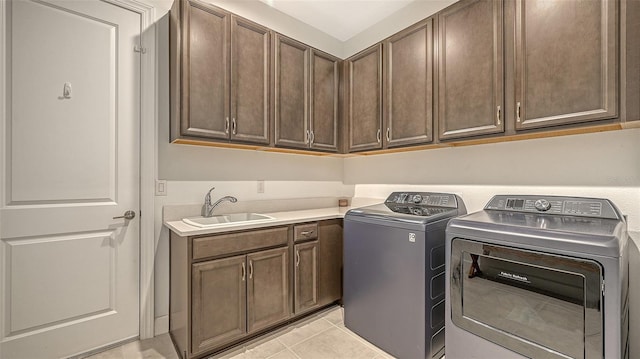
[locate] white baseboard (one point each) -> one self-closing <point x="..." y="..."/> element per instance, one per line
<point x="161" y="325"/>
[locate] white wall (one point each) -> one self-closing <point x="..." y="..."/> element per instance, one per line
<point x="265" y="15"/>
<point x="408" y="15"/>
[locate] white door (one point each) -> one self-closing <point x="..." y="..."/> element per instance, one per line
<point x="68" y="271"/>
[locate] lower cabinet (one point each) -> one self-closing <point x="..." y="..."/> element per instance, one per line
<point x="329" y="261"/>
<point x="267" y="288"/>
<point x="219" y="302"/>
<point x="306" y="277"/>
<point x="227" y="288"/>
<point x="235" y="296"/>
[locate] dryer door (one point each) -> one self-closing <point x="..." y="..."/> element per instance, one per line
<point x="537" y="304"/>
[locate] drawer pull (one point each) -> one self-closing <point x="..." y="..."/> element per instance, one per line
<point x="306" y="233"/>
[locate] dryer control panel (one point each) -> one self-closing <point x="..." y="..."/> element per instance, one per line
<point x="572" y="206"/>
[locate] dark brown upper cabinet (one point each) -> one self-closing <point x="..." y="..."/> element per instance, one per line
<point x="408" y="69"/>
<point x="364" y="99"/>
<point x="291" y="92"/>
<point x="470" y="69"/>
<point x="324" y="116"/>
<point x="250" y="82"/>
<point x="220" y="80"/>
<point x="566" y="62"/>
<point x="306" y="96"/>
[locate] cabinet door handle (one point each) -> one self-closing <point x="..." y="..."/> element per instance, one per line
<point x="250" y="269"/>
<point x="379" y="135"/>
<point x="312" y="137"/>
<point x="297" y="258"/>
<point x="244" y="272"/>
<point x="233" y="126"/>
<point x="226" y="125"/>
<point x="306" y="137"/>
<point x="498" y="116"/>
<point x="518" y="112"/>
<point x="388" y="134"/>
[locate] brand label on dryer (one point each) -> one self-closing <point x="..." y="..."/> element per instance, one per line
<point x="412" y="237"/>
<point x="517" y="277"/>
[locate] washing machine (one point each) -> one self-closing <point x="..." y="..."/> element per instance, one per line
<point x="538" y="277"/>
<point x="394" y="278"/>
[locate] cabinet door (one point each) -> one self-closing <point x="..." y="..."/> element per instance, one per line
<point x="306" y="276"/>
<point x="218" y="303"/>
<point x="250" y="83"/>
<point x="291" y="93"/>
<point x="364" y="101"/>
<point x="471" y="69"/>
<point x="205" y="71"/>
<point x="409" y="86"/>
<point x="268" y="288"/>
<point x="323" y="106"/>
<point x="329" y="261"/>
<point x="566" y="62"/>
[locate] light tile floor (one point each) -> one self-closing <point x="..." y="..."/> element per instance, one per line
<point x="321" y="336"/>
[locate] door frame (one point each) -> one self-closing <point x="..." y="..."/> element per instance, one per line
<point x="148" y="148"/>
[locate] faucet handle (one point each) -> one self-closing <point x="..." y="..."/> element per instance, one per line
<point x="207" y="197"/>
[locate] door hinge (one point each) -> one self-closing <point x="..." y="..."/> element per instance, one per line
<point x="140" y="49"/>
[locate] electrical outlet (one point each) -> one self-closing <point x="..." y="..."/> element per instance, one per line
<point x="260" y="186"/>
<point x="161" y="187"/>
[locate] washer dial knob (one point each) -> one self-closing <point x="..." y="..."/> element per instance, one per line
<point x="542" y="205"/>
<point x="417" y="198"/>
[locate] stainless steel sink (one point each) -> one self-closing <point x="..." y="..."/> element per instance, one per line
<point x="227" y="219"/>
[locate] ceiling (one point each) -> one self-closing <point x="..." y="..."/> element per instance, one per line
<point x="341" y="19"/>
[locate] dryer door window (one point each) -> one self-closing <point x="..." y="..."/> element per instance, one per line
<point x="536" y="304"/>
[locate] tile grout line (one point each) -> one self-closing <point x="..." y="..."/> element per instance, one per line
<point x="376" y="350"/>
<point x="314" y="335"/>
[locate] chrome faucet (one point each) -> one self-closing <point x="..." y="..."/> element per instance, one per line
<point x="207" y="208"/>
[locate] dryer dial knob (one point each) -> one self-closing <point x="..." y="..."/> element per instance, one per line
<point x="542" y="205"/>
<point x="417" y="198"/>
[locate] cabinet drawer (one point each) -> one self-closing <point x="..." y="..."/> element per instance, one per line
<point x="218" y="245"/>
<point x="305" y="231"/>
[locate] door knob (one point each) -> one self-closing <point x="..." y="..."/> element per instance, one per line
<point x="127" y="215"/>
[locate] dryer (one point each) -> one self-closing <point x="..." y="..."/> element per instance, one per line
<point x="538" y="277"/>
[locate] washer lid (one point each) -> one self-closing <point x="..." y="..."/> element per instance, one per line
<point x="403" y="213"/>
<point x="413" y="207"/>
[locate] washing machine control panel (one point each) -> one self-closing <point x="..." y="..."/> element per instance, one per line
<point x="573" y="206"/>
<point x="423" y="199"/>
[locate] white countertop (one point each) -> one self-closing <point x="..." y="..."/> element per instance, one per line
<point x="280" y="218"/>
